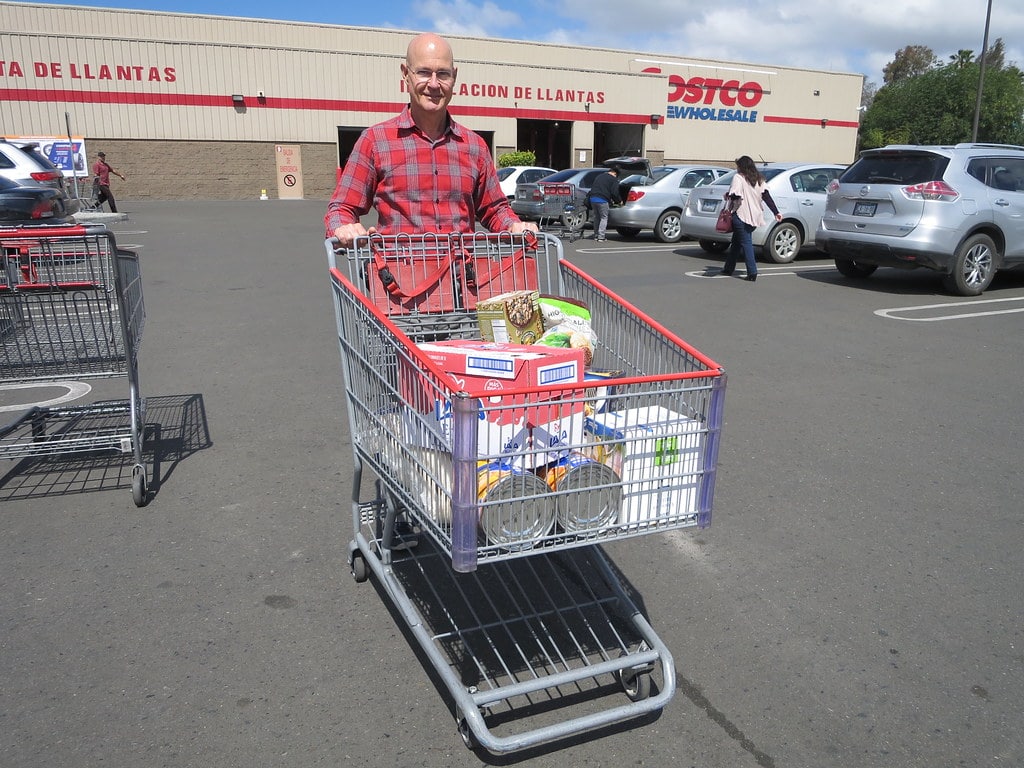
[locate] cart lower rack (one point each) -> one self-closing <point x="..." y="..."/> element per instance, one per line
<point x="71" y="308"/>
<point x="492" y="497"/>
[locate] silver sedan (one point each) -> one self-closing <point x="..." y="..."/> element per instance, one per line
<point x="658" y="204"/>
<point x="797" y="188"/>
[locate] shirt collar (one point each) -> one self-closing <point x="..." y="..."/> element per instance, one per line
<point x="405" y="122"/>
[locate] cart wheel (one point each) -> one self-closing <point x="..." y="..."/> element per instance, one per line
<point x="636" y="683"/>
<point x="466" y="733"/>
<point x="360" y="570"/>
<point x="139" y="492"/>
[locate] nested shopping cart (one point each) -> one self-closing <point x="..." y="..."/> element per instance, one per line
<point x="71" y="308"/>
<point x="487" y="514"/>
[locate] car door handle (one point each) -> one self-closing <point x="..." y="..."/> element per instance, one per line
<point x="807" y="202"/>
<point x="1002" y="201"/>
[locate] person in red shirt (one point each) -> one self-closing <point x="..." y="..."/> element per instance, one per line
<point x="101" y="178"/>
<point x="421" y="171"/>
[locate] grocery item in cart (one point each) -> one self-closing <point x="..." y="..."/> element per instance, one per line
<point x="515" y="505"/>
<point x="498" y="370"/>
<point x="512" y="317"/>
<point x="593" y="493"/>
<point x="659" y="454"/>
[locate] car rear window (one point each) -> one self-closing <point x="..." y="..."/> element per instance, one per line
<point x="896" y="168"/>
<point x="562" y="175"/>
<point x="726" y="180"/>
<point x="42" y="160"/>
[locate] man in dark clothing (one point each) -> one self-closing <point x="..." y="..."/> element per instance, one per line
<point x="603" y="194"/>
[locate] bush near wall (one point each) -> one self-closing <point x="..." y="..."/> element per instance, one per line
<point x="517" y="158"/>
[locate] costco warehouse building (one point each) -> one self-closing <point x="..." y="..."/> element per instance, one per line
<point x="209" y="107"/>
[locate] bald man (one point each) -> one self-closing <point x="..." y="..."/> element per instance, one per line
<point x="421" y="171"/>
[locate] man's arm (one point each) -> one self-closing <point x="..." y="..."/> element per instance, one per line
<point x="353" y="196"/>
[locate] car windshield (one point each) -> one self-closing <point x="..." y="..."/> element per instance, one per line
<point x="896" y="168"/>
<point x="660" y="173"/>
<point x="504" y="173"/>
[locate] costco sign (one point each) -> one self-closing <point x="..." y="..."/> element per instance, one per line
<point x="709" y="98"/>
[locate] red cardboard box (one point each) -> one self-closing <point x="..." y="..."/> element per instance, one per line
<point x="499" y="368"/>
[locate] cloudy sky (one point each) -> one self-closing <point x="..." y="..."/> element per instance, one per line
<point x="859" y="36"/>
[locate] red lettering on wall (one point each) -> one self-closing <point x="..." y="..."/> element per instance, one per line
<point x="698" y="90"/>
<point x="11" y="69"/>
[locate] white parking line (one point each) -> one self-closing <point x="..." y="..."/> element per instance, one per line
<point x="789" y="269"/>
<point x="607" y="247"/>
<point x="75" y="390"/>
<point x="893" y="312"/>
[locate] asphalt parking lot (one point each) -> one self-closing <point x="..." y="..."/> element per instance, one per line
<point x="856" y="601"/>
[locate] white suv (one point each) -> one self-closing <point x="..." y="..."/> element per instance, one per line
<point x="957" y="210"/>
<point x="22" y="162"/>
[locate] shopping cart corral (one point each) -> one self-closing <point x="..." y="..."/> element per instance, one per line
<point x="487" y="513"/>
<point x="71" y="308"/>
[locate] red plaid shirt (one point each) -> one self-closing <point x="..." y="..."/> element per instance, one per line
<point x="419" y="186"/>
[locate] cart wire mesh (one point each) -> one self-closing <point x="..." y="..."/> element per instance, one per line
<point x="71" y="307"/>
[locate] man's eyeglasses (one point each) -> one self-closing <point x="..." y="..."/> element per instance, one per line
<point x="443" y="76"/>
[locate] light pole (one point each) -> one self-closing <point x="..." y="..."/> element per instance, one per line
<point x="981" y="75"/>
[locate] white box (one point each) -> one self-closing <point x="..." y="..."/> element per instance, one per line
<point x="657" y="453"/>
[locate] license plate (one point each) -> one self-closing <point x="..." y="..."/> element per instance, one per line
<point x="708" y="206"/>
<point x="864" y="209"/>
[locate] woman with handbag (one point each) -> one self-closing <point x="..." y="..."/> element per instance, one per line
<point x="746" y="195"/>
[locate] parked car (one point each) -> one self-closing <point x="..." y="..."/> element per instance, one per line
<point x="797" y="188"/>
<point x="511" y="175"/>
<point x="20" y="204"/>
<point x="562" y="195"/>
<point x="957" y="210"/>
<point x="22" y="162"/>
<point x="658" y="203"/>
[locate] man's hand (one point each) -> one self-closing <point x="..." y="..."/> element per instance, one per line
<point x="523" y="226"/>
<point x="347" y="233"/>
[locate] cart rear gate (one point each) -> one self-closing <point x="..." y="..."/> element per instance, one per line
<point x="71" y="308"/>
<point x="491" y="498"/>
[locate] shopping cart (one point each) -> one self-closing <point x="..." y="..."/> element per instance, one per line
<point x="487" y="515"/>
<point x="563" y="210"/>
<point x="71" y="308"/>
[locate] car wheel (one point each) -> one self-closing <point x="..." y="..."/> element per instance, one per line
<point x="628" y="232"/>
<point x="853" y="269"/>
<point x="669" y="227"/>
<point x="974" y="266"/>
<point x="783" y="243"/>
<point x="575" y="219"/>
<point x="712" y="246"/>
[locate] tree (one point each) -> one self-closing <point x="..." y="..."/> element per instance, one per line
<point x="995" y="55"/>
<point x="937" y="107"/>
<point x="961" y="58"/>
<point x="911" y="61"/>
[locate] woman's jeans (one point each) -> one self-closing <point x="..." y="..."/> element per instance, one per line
<point x="741" y="241"/>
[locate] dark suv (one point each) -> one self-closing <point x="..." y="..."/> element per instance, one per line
<point x="957" y="210"/>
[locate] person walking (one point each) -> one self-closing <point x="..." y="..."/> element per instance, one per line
<point x="603" y="194"/>
<point x="421" y="171"/>
<point x="101" y="178"/>
<point x="746" y="194"/>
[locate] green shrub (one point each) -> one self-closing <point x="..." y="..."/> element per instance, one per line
<point x="517" y="158"/>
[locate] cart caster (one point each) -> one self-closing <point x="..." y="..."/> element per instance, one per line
<point x="360" y="570"/>
<point x="636" y="683"/>
<point x="140" y="493"/>
<point x="466" y="733"/>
